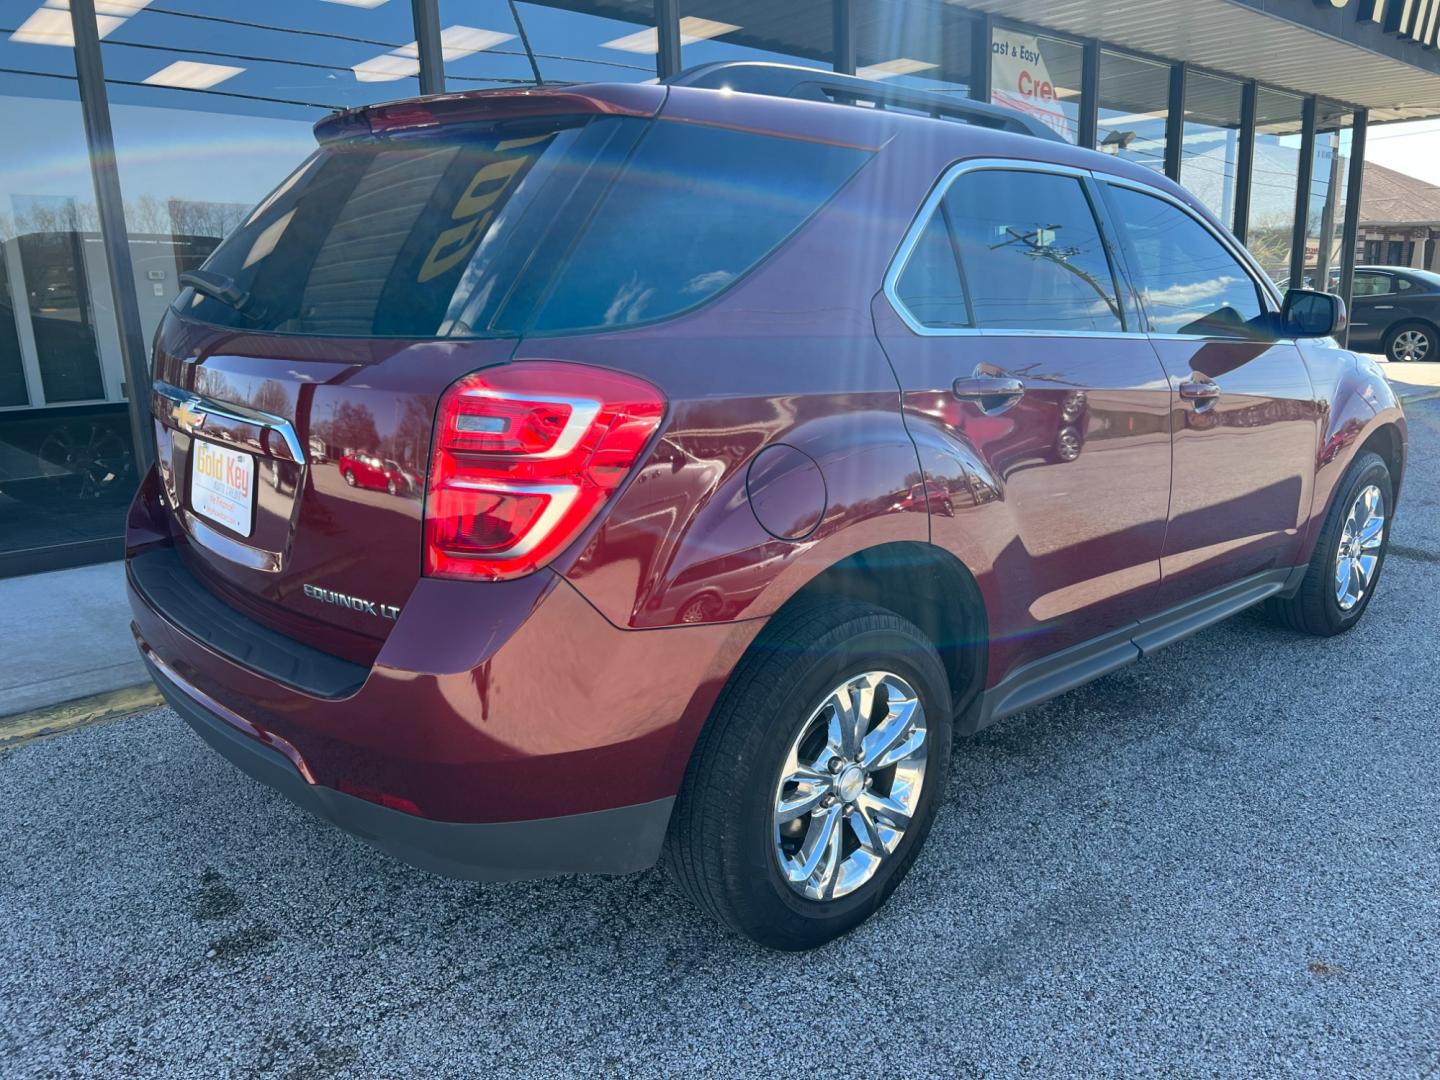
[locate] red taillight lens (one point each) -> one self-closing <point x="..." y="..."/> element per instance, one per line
<point x="525" y="455"/>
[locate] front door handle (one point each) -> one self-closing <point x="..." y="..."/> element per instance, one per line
<point x="993" y="393"/>
<point x="1203" y="393"/>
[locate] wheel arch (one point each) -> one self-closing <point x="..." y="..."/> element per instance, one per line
<point x="926" y="585"/>
<point x="1387" y="441"/>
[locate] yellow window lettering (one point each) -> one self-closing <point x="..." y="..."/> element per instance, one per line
<point x="453" y="246"/>
<point x="495" y="174"/>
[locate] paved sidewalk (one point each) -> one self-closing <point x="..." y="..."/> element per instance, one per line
<point x="67" y="636"/>
<point x="1413" y="382"/>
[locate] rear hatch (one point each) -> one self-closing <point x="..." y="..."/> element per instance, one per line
<point x="296" y="380"/>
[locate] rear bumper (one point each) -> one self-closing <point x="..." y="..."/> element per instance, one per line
<point x="618" y="841"/>
<point x="504" y="729"/>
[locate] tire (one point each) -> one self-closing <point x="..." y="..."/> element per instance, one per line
<point x="723" y="847"/>
<point x="1316" y="607"/>
<point x="349" y="478"/>
<point x="391" y="487"/>
<point x="1415" y="340"/>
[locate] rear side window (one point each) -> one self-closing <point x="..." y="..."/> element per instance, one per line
<point x="1188" y="280"/>
<point x="1032" y="253"/>
<point x="1372" y="284"/>
<point x="693" y="209"/>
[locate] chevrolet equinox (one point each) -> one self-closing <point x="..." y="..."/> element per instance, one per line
<point x="748" y="437"/>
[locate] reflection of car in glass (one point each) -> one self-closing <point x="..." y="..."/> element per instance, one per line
<point x="1396" y="310"/>
<point x="363" y="470"/>
<point x="774" y="444"/>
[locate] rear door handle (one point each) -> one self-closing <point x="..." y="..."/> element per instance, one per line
<point x="1203" y="393"/>
<point x="993" y="393"/>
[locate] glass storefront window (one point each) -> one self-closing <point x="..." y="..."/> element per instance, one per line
<point x="202" y="134"/>
<point x="1270" y="232"/>
<point x="1038" y="75"/>
<point x="1134" y="104"/>
<point x="796" y="32"/>
<point x="1210" y="144"/>
<point x="66" y="459"/>
<point x="608" y="41"/>
<point x="1329" y="183"/>
<point x="916" y="43"/>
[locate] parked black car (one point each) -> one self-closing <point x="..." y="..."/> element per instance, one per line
<point x="1396" y="310"/>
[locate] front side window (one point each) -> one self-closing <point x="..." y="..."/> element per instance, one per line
<point x="1188" y="281"/>
<point x="1032" y="253"/>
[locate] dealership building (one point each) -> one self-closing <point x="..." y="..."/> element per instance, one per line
<point x="136" y="133"/>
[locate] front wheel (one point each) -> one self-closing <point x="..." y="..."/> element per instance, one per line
<point x="1349" y="554"/>
<point x="816" y="780"/>
<point x="1412" y="341"/>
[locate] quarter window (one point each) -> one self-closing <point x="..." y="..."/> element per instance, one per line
<point x="930" y="285"/>
<point x="1188" y="281"/>
<point x="1031" y="252"/>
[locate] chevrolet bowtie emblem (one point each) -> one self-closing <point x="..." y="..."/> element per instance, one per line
<point x="187" y="417"/>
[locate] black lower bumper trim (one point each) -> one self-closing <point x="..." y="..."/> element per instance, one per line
<point x="163" y="582"/>
<point x="618" y="841"/>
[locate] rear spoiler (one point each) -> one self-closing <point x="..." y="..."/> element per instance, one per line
<point x="415" y="114"/>
<point x="812" y="84"/>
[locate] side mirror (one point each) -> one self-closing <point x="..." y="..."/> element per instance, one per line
<point x="1310" y="314"/>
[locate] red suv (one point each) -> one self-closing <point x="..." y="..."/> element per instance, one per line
<point x="767" y="443"/>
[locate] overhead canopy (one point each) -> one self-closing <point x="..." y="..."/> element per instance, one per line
<point x="1295" y="44"/>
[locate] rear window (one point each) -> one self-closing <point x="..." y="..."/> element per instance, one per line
<point x="567" y="226"/>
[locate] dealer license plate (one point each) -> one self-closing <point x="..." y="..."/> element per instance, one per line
<point x="222" y="485"/>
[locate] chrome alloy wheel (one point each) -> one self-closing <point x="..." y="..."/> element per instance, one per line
<point x="850" y="785"/>
<point x="1410" y="345"/>
<point x="1359" y="552"/>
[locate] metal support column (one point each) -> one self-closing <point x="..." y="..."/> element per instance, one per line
<point x="1175" y="123"/>
<point x="1090" y="94"/>
<point x="427" y="36"/>
<point x="667" y="27"/>
<point x="844" y="35"/>
<point x="100" y="139"/>
<point x="1302" y="194"/>
<point x="1350" y="231"/>
<point x="1245" y="163"/>
<point x="980" y="49"/>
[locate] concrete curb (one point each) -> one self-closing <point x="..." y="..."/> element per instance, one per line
<point x="1410" y="397"/>
<point x="95" y="709"/>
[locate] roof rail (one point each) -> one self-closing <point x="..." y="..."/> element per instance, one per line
<point x="811" y="84"/>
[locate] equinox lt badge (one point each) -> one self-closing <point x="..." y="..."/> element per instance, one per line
<point x="354" y="603"/>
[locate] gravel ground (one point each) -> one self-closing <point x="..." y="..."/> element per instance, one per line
<point x="1220" y="861"/>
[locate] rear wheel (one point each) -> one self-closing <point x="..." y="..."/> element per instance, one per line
<point x="349" y="478"/>
<point x="816" y="780"/>
<point x="1412" y="341"/>
<point x="1349" y="554"/>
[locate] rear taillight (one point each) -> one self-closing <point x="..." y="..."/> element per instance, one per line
<point x="525" y="455"/>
